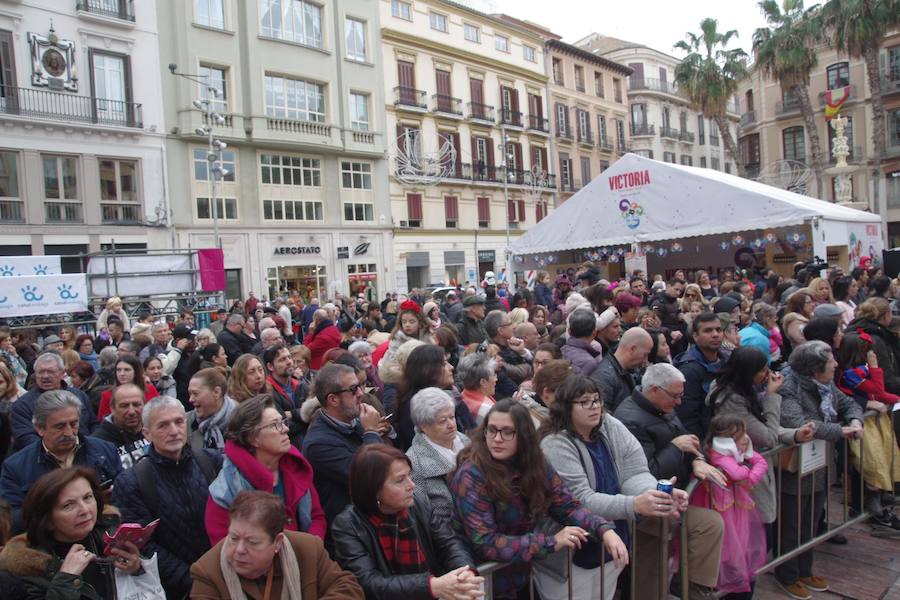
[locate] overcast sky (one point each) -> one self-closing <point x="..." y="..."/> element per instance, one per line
<point x="655" y="23"/>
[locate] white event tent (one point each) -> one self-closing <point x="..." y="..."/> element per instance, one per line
<point x="640" y="200"/>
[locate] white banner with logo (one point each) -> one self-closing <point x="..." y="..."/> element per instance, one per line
<point x="27" y="266"/>
<point x="43" y="295"/>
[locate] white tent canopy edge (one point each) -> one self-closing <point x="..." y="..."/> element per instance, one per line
<point x="643" y="200"/>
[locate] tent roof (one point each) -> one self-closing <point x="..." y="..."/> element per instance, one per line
<point x="666" y="201"/>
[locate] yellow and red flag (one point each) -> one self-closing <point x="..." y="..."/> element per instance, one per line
<point x="834" y="100"/>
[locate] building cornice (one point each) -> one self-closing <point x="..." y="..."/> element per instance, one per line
<point x="571" y="50"/>
<point x="392" y="35"/>
<point x="495" y="20"/>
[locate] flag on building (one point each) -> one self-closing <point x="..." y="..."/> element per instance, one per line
<point x="834" y="100"/>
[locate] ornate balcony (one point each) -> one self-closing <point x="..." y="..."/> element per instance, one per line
<point x="409" y="98"/>
<point x="62" y="106"/>
<point x="538" y="124"/>
<point x="115" y="9"/>
<point x="642" y="129"/>
<point x="446" y="105"/>
<point x="748" y="118"/>
<point x="481" y="113"/>
<point x="512" y="118"/>
<point x="669" y="132"/>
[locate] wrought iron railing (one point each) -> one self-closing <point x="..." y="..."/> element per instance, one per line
<point x="686" y="136"/>
<point x="120" y="213"/>
<point x="63" y="106"/>
<point x="669" y="132"/>
<point x="481" y="112"/>
<point x="643" y="129"/>
<point x="536" y="123"/>
<point x="788" y="106"/>
<point x="409" y="97"/>
<point x="653" y="84"/>
<point x="446" y="104"/>
<point x="748" y="118"/>
<point x="12" y="211"/>
<point x="117" y="9"/>
<point x="511" y="117"/>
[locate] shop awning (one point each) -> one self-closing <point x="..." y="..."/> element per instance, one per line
<point x="643" y="200"/>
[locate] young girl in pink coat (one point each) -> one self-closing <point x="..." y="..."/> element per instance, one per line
<point x="744" y="545"/>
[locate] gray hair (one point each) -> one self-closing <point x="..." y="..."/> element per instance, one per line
<point x="108" y="357"/>
<point x="54" y="357"/>
<point x="158" y="326"/>
<point x="473" y="368"/>
<point x="763" y="311"/>
<point x="492" y="322"/>
<point x="266" y="323"/>
<point x="52" y="401"/>
<point x="661" y="375"/>
<point x="582" y="322"/>
<point x="159" y="403"/>
<point x="328" y="380"/>
<point x="234" y="319"/>
<point x="427" y="403"/>
<point x="129" y="346"/>
<point x="269" y="335"/>
<point x="810" y="358"/>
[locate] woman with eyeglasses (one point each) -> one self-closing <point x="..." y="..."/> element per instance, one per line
<point x="502" y="491"/>
<point x="259" y="456"/>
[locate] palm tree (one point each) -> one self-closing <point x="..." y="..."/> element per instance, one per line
<point x="786" y="52"/>
<point x="858" y="27"/>
<point x="709" y="75"/>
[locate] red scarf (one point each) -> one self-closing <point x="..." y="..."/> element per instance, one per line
<point x="398" y="541"/>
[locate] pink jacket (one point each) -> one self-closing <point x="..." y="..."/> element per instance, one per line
<point x="741" y="479"/>
<point x="241" y="471"/>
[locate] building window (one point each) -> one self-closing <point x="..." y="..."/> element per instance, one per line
<point x="586" y="169"/>
<point x="748" y="150"/>
<point x="528" y="53"/>
<point x="701" y="130"/>
<point x="838" y="75"/>
<point x="414" y="210"/>
<point x="501" y="43"/>
<point x="669" y="157"/>
<point x="562" y="120"/>
<point x="540" y="209"/>
<point x="687" y="160"/>
<point x="119" y="191"/>
<point x="598" y="84"/>
<point x="210" y="13"/>
<point x="471" y="33"/>
<point x="293" y="20"/>
<point x="355" y="30"/>
<point x="11" y="205"/>
<point x="794" y="144"/>
<point x="714" y="163"/>
<point x="620" y="134"/>
<point x="639" y="117"/>
<point x="290" y="170"/>
<point x="201" y="165"/>
<point x="703" y="162"/>
<point x="617" y="89"/>
<point x="111" y="87"/>
<point x="438" y="21"/>
<point x="728" y="167"/>
<point x="359" y="211"/>
<point x="226" y="208"/>
<point x="602" y="137"/>
<point x="579" y="78"/>
<point x="558" y="72"/>
<point x="215" y="77"/>
<point x="359" y="111"/>
<point x="293" y="210"/>
<point x="484" y="212"/>
<point x="356" y="175"/>
<point x="61" y="189"/>
<point x="294" y="99"/>
<point x="565" y="170"/>
<point x="451" y="212"/>
<point x="401" y="10"/>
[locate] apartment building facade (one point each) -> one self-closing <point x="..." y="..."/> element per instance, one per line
<point x="458" y="78"/>
<point x="82" y="155"/>
<point x="662" y="124"/>
<point x="303" y="203"/>
<point x="772" y="128"/>
<point x="589" y="111"/>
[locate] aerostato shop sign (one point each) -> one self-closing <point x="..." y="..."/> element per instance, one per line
<point x="292" y="250"/>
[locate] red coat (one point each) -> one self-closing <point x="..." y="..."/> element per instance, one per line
<point x="106" y="396"/>
<point x="321" y="341"/>
<point x="296" y="474"/>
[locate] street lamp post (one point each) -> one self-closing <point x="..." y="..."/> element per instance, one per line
<point x="215" y="170"/>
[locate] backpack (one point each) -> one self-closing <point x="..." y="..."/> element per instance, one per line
<point x="143" y="472"/>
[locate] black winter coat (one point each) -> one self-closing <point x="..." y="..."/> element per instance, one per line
<point x="235" y="345"/>
<point x="614" y="382"/>
<point x="655" y="431"/>
<point x="180" y="539"/>
<point x="357" y="550"/>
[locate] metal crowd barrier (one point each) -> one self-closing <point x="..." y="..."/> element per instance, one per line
<point x="773" y="455"/>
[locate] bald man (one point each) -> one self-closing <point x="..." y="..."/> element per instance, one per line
<point x="615" y="375"/>
<point x="528" y="333"/>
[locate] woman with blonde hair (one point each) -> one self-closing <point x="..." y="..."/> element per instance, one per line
<point x="247" y="379"/>
<point x="68" y="335"/>
<point x="820" y="290"/>
<point x="692" y="293"/>
<point x="518" y="315"/>
<point x="113" y="309"/>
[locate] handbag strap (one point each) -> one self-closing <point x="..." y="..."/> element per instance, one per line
<point x="268" y="591"/>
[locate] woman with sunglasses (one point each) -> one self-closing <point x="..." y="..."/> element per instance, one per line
<point x="259" y="456"/>
<point x="504" y="488"/>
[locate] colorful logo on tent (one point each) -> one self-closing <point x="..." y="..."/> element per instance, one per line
<point x="631" y="212"/>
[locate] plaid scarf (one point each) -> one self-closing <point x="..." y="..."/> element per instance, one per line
<point x="398" y="541"/>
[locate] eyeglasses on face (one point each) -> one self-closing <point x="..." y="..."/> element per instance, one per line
<point x="589" y="402"/>
<point x="506" y="433"/>
<point x="279" y="425"/>
<point x="352" y="389"/>
<point x="671" y="395"/>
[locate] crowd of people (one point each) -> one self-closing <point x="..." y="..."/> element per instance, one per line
<point x="364" y="449"/>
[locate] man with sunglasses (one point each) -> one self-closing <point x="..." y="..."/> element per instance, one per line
<point x="673" y="453"/>
<point x="338" y="430"/>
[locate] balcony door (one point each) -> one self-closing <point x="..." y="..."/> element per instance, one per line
<point x="8" y="91"/>
<point x="444" y="103"/>
<point x="111" y="87"/>
<point x="406" y="75"/>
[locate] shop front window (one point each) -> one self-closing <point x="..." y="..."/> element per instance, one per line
<point x="363" y="279"/>
<point x="308" y="280"/>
